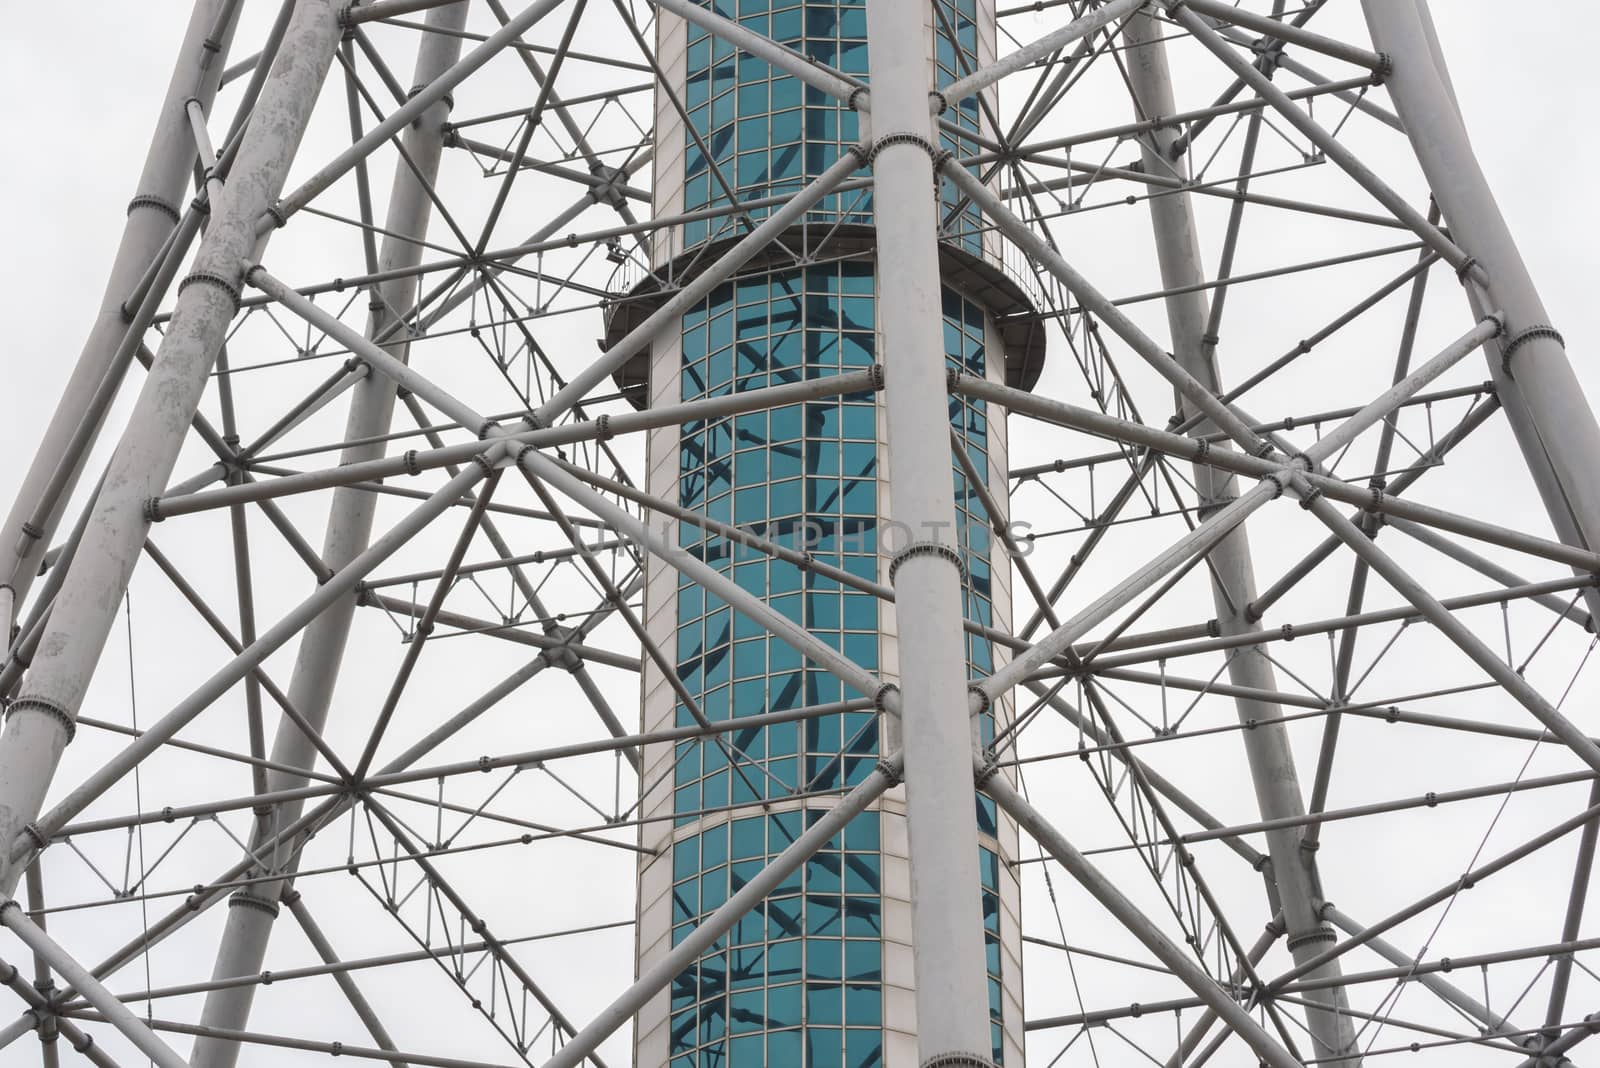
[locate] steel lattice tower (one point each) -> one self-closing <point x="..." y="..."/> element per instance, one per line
<point x="1032" y="470"/>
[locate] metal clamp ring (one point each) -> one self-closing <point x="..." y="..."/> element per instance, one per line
<point x="927" y="548"/>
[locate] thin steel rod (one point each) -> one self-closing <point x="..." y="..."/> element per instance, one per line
<point x="1178" y="961"/>
<point x="714" y="926"/>
<point x="694" y="291"/>
<point x="1452" y="628"/>
<point x="1443" y="988"/>
<point x="1387" y="502"/>
<point x="1489" y="569"/>
<point x="387" y="779"/>
<point x="1085" y="25"/>
<point x="342" y="977"/>
<point x="418" y="460"/>
<point x="1577" y="896"/>
<point x="115" y="1012"/>
<point x="152" y="217"/>
<point x="235" y="1037"/>
<point x="1345" y="159"/>
<point x="813" y="72"/>
<point x="403" y="116"/>
<point x="1289" y="33"/>
<point x="40" y="722"/>
<point x="340" y="585"/>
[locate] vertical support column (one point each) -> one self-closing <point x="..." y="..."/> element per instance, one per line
<point x="1272" y="767"/>
<point x="1544" y="402"/>
<point x="42" y="719"/>
<point x="253" y="911"/>
<point x="152" y="214"/>
<point x="947" y="922"/>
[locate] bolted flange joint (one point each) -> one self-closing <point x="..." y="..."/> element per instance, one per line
<point x="215" y="280"/>
<point x="45" y="707"/>
<point x="1532" y="333"/>
<point x="240" y="899"/>
<point x="1315" y="936"/>
<point x="880" y="700"/>
<point x="957" y="1059"/>
<point x="927" y="548"/>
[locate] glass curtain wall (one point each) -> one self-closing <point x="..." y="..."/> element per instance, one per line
<point x="798" y="982"/>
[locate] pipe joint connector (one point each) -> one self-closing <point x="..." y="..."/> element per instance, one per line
<point x="957" y="1059"/>
<point x="889" y="772"/>
<point x="218" y="281"/>
<point x="1317" y="936"/>
<point x="853" y="101"/>
<point x="240" y="899"/>
<point x="927" y="548"/>
<point x="45" y="707"/>
<point x="1533" y="333"/>
<point x="889" y="140"/>
<point x="880" y="699"/>
<point x="147" y="200"/>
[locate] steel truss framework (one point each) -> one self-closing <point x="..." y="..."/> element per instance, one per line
<point x="1252" y="302"/>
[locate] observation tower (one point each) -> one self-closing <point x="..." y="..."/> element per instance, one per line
<point x="810" y="674"/>
<point x="789" y="503"/>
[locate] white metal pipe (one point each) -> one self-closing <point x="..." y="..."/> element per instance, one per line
<point x="671" y="312"/>
<point x="403" y="116"/>
<point x="1108" y="313"/>
<point x="8" y="612"/>
<point x="329" y="592"/>
<point x="1330" y="146"/>
<point x="1386" y="402"/>
<point x="1232" y="573"/>
<point x="936" y="725"/>
<point x="1289" y="33"/>
<point x="1202" y="539"/>
<point x="1176" y="959"/>
<point x="348" y="535"/>
<point x="116" y="1013"/>
<point x="1091" y="22"/>
<point x="341" y="976"/>
<point x="181" y="499"/>
<point x="775" y="622"/>
<point x="152" y="215"/>
<point x="814" y="74"/>
<point x="1452" y="628"/>
<point x="1108" y="426"/>
<point x="395" y="369"/>
<point x="714" y="926"/>
<point x="41" y="720"/>
<point x="1446" y="990"/>
<point x="1486" y="567"/>
<point x="1544" y="402"/>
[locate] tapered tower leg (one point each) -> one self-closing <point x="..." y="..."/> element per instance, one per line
<point x="947" y="924"/>
<point x="152" y="214"/>
<point x="1272" y="766"/>
<point x="252" y="912"/>
<point x="1533" y="377"/>
<point x="42" y="718"/>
